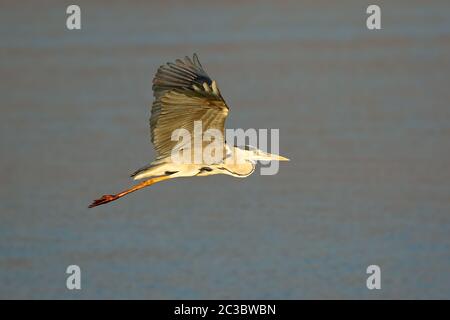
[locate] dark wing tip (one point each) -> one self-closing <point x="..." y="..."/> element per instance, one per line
<point x="196" y="60"/>
<point x="181" y="74"/>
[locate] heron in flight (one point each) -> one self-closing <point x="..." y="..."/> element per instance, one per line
<point x="184" y="94"/>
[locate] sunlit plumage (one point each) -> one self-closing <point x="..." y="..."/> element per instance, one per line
<point x="184" y="93"/>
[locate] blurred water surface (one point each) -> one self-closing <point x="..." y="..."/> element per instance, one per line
<point x="363" y="115"/>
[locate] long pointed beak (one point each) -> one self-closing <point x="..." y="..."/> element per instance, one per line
<point x="274" y="157"/>
<point x="280" y="158"/>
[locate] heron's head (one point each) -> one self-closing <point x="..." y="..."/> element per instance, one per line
<point x="254" y="154"/>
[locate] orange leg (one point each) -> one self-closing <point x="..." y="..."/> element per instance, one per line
<point x="111" y="197"/>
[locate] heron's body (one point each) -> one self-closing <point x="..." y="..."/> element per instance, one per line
<point x="168" y="167"/>
<point x="185" y="94"/>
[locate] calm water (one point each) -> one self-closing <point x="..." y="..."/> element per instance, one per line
<point x="364" y="117"/>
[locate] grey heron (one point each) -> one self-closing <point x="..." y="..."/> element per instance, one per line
<point x="183" y="94"/>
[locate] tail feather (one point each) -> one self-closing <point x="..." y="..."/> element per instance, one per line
<point x="154" y="169"/>
<point x="140" y="170"/>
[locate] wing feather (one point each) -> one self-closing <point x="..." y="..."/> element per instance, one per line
<point x="184" y="93"/>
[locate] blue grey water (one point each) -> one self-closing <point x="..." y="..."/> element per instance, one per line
<point x="363" y="115"/>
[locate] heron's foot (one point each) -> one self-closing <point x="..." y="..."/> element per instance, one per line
<point x="105" y="199"/>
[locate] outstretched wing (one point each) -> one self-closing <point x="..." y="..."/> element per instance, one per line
<point x="184" y="93"/>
